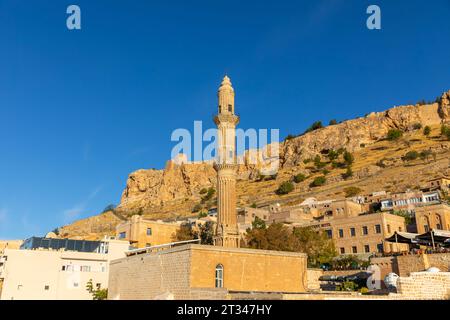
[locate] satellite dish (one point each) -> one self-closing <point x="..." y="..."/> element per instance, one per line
<point x="433" y="270"/>
<point x="391" y="280"/>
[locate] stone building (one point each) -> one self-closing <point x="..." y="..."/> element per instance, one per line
<point x="363" y="234"/>
<point x="145" y="233"/>
<point x="188" y="271"/>
<point x="410" y="200"/>
<point x="435" y="216"/>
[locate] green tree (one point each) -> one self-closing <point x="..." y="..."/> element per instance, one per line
<point x="209" y="194"/>
<point x="332" y="122"/>
<point x="427" y="131"/>
<point x="207" y="233"/>
<point x="258" y="223"/>
<point x="348" y="173"/>
<point x="394" y="134"/>
<point x="98" y="293"/>
<point x="348" y="158"/>
<point x="299" y="178"/>
<point x="417" y="126"/>
<point x="332" y="155"/>
<point x="318" y="181"/>
<point x="185" y="232"/>
<point x="425" y="154"/>
<point x="285" y="188"/>
<point x="316" y="244"/>
<point x="253" y="205"/>
<point x="352" y="191"/>
<point x="316" y="125"/>
<point x="203" y="191"/>
<point x="197" y="208"/>
<point x="411" y="155"/>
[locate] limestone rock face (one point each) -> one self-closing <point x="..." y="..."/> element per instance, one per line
<point x="180" y="180"/>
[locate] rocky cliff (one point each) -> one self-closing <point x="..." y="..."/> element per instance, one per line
<point x="148" y="189"/>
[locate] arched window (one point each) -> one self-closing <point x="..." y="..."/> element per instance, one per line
<point x="220" y="109"/>
<point x="219" y="276"/>
<point x="425" y="223"/>
<point x="438" y="222"/>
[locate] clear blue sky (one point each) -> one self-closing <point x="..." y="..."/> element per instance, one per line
<point x="80" y="110"/>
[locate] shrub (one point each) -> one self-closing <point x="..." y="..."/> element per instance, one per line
<point x="333" y="155"/>
<point x="253" y="205"/>
<point x="299" y="178"/>
<point x="348" y="158"/>
<point x="316" y="125"/>
<point x="325" y="172"/>
<point x="289" y="137"/>
<point x="209" y="194"/>
<point x="352" y="191"/>
<point x="319" y="181"/>
<point x="332" y="122"/>
<point x="410" y="155"/>
<point x="445" y="131"/>
<point x="425" y="154"/>
<point x="285" y="188"/>
<point x="427" y="130"/>
<point x="417" y="126"/>
<point x="197" y="208"/>
<point x="394" y="134"/>
<point x="348" y="173"/>
<point x="203" y="191"/>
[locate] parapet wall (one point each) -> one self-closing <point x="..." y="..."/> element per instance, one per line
<point x="425" y="285"/>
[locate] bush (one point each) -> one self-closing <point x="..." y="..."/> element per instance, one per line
<point x="319" y="181"/>
<point x="325" y="172"/>
<point x="316" y="125"/>
<point x="285" y="188"/>
<point x="348" y="173"/>
<point x="348" y="158"/>
<point x="410" y="155"/>
<point x="253" y="205"/>
<point x="299" y="178"/>
<point x="394" y="134"/>
<point x="209" y="194"/>
<point x="332" y="122"/>
<point x="203" y="191"/>
<point x="197" y="208"/>
<point x="333" y="155"/>
<point x="289" y="137"/>
<point x="427" y="130"/>
<point x="417" y="126"/>
<point x="352" y="191"/>
<point x="445" y="131"/>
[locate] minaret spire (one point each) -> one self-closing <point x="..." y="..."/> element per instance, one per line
<point x="227" y="233"/>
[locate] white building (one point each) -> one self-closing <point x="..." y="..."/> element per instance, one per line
<point x="57" y="269"/>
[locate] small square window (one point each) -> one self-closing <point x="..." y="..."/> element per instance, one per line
<point x="149" y="231"/>
<point x="354" y="249"/>
<point x="366" y="248"/>
<point x="352" y="232"/>
<point x="378" y="228"/>
<point x="365" y="230"/>
<point x="342" y="250"/>
<point x="47" y="287"/>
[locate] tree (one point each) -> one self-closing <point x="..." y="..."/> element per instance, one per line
<point x="184" y="233"/>
<point x="109" y="207"/>
<point x="285" y="188"/>
<point x="427" y="131"/>
<point x="332" y="155"/>
<point x="299" y="178"/>
<point x="258" y="223"/>
<point x="207" y="233"/>
<point x="352" y="191"/>
<point x="417" y="126"/>
<point x="197" y="208"/>
<point x="394" y="134"/>
<point x="253" y="205"/>
<point x="98" y="293"/>
<point x="410" y="155"/>
<point x="318" y="181"/>
<point x="425" y="154"/>
<point x="348" y="158"/>
<point x="348" y="173"/>
<point x="203" y="191"/>
<point x="316" y="244"/>
<point x="316" y="125"/>
<point x="289" y="137"/>
<point x="209" y="194"/>
<point x="332" y="122"/>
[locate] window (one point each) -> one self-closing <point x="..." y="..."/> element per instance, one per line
<point x="366" y="248"/>
<point x="329" y="233"/>
<point x="365" y="231"/>
<point x="354" y="249"/>
<point x="378" y="228"/>
<point x="380" y="248"/>
<point x="47" y="287"/>
<point x="63" y="268"/>
<point x="219" y="276"/>
<point x="342" y="250"/>
<point x="149" y="231"/>
<point x="85" y="268"/>
<point x="220" y="109"/>
<point x="389" y="228"/>
<point x="352" y="232"/>
<point x="230" y="108"/>
<point x="341" y="233"/>
<point x="122" y="235"/>
<point x="75" y="284"/>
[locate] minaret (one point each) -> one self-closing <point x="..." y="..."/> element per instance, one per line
<point x="227" y="233"/>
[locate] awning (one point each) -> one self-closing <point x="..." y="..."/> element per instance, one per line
<point x="403" y="237"/>
<point x="436" y="236"/>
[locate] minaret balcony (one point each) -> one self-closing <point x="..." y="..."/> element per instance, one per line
<point x="226" y="117"/>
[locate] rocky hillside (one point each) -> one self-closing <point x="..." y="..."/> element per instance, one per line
<point x="378" y="165"/>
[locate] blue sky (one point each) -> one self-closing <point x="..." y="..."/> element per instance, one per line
<point x="80" y="110"/>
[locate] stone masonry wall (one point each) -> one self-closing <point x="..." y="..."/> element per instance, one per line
<point x="313" y="282"/>
<point x="425" y="285"/>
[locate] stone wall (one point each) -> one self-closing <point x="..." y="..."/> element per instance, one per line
<point x="415" y="263"/>
<point x="439" y="260"/>
<point x="425" y="285"/>
<point x="313" y="276"/>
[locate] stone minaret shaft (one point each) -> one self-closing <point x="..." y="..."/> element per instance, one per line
<point x="227" y="233"/>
